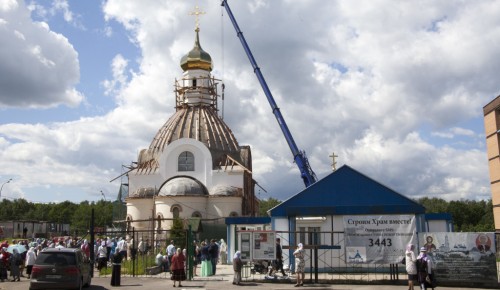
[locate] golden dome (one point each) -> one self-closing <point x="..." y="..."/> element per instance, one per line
<point x="197" y="58"/>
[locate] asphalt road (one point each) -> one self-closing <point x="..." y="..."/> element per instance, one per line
<point x="221" y="281"/>
<point x="136" y="283"/>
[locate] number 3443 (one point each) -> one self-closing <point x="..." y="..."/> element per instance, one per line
<point x="380" y="242"/>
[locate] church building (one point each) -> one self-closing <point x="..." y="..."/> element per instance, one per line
<point x="194" y="167"/>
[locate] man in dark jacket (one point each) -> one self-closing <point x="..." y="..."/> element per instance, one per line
<point x="213" y="250"/>
<point x="277" y="265"/>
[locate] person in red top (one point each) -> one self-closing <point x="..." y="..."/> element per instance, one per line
<point x="4" y="260"/>
<point x="86" y="248"/>
<point x="177" y="267"/>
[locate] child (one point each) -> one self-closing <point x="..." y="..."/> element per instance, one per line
<point x="237" y="265"/>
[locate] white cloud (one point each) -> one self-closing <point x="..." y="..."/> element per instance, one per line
<point x="366" y="80"/>
<point x="39" y="67"/>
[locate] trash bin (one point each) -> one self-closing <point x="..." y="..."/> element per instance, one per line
<point x="116" y="270"/>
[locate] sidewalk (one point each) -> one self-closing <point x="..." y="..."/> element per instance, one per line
<point x="224" y="277"/>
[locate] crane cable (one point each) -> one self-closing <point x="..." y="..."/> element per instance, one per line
<point x="222" y="55"/>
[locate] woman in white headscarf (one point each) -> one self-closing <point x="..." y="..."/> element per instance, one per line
<point x="102" y="256"/>
<point x="223" y="252"/>
<point x="30" y="260"/>
<point x="300" y="264"/>
<point x="411" y="265"/>
<point x="237" y="265"/>
<point x="424" y="269"/>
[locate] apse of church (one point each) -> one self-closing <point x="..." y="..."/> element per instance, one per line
<point x="194" y="166"/>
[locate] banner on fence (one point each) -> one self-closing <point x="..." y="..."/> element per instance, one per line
<point x="462" y="257"/>
<point x="378" y="239"/>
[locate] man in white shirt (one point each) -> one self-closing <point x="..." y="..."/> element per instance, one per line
<point x="109" y="245"/>
<point x="170" y="252"/>
<point x="59" y="245"/>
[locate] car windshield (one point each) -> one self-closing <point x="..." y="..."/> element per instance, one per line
<point x="59" y="259"/>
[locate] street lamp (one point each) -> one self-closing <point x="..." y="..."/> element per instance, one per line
<point x="3" y="185"/>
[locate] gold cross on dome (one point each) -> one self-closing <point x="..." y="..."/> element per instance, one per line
<point x="197" y="14"/>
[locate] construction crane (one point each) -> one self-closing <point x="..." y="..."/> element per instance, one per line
<point x="299" y="156"/>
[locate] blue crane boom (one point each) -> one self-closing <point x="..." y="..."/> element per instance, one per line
<point x="299" y="156"/>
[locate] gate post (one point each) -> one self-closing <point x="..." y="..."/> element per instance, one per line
<point x="131" y="252"/>
<point x="190" y="252"/>
<point x="92" y="242"/>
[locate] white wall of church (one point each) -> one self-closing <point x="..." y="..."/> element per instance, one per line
<point x="187" y="204"/>
<point x="202" y="160"/>
<point x="139" y="209"/>
<point x="223" y="206"/>
<point x="230" y="178"/>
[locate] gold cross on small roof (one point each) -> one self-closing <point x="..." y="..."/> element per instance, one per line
<point x="197" y="14"/>
<point x="334" y="163"/>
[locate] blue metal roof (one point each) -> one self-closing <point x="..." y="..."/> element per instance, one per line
<point x="346" y="192"/>
<point x="438" y="216"/>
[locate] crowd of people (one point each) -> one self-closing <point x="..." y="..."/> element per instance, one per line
<point x="19" y="256"/>
<point x="20" y="259"/>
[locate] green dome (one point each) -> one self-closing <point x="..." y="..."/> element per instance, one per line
<point x="197" y="58"/>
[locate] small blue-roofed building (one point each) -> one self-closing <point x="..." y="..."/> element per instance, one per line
<point x="325" y="206"/>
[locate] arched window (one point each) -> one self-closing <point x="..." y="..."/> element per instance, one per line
<point x="233" y="214"/>
<point x="186" y="161"/>
<point x="175" y="210"/>
<point x="196" y="214"/>
<point x="158" y="223"/>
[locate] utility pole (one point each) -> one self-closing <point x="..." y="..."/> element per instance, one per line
<point x="8" y="181"/>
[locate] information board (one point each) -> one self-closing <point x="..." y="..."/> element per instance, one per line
<point x="245" y="246"/>
<point x="257" y="245"/>
<point x="264" y="246"/>
<point x="378" y="239"/>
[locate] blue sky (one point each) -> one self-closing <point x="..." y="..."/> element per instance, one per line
<point x="395" y="89"/>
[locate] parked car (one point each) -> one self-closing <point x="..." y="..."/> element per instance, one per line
<point x="61" y="268"/>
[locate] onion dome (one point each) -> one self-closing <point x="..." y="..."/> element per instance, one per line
<point x="197" y="58"/>
<point x="182" y="186"/>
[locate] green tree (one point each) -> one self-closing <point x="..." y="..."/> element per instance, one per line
<point x="267" y="204"/>
<point x="80" y="221"/>
<point x="467" y="215"/>
<point x="7" y="211"/>
<point x="178" y="234"/>
<point x="434" y="204"/>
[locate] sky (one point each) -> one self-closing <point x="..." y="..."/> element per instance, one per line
<point x="394" y="88"/>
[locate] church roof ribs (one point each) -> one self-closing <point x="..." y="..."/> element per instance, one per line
<point x="208" y="130"/>
<point x="182" y="123"/>
<point x="190" y="120"/>
<point x="217" y="129"/>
